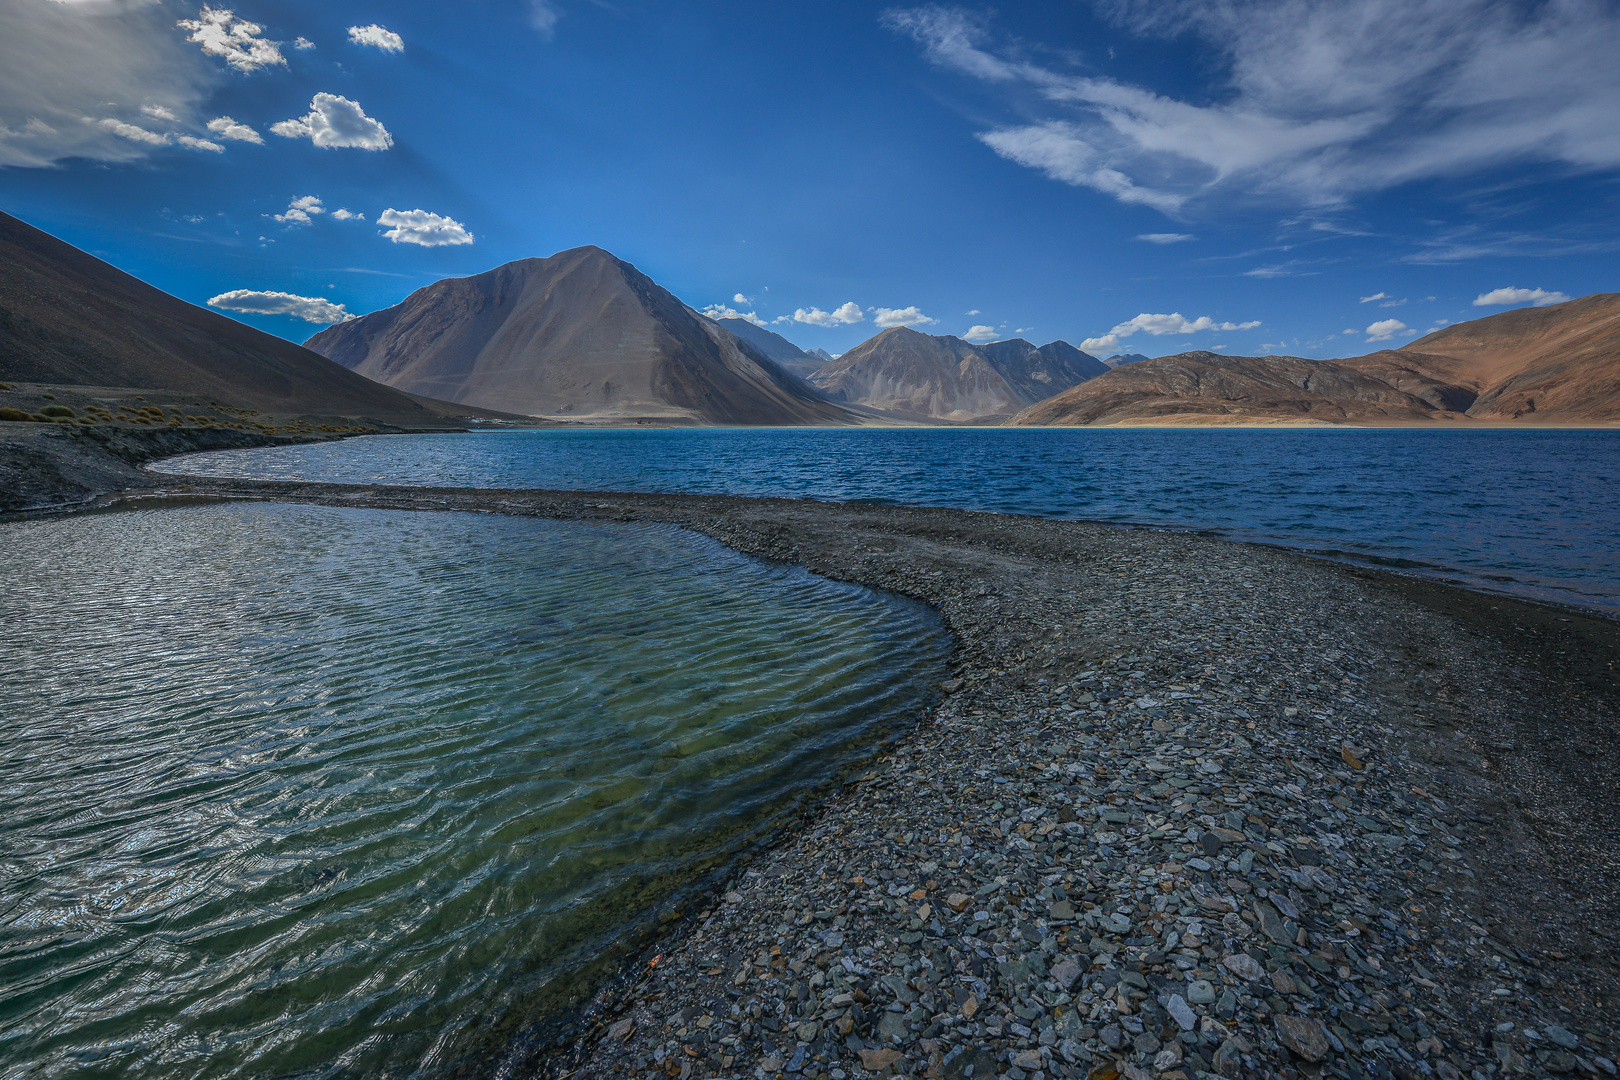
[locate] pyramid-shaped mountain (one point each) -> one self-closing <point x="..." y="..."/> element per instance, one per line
<point x="581" y="335"/>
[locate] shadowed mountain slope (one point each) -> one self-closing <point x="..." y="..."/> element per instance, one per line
<point x="788" y="356"/>
<point x="67" y="318"/>
<point x="945" y="378"/>
<point x="581" y="335"/>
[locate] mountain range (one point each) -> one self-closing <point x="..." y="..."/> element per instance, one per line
<point x="929" y="377"/>
<point x="69" y="319"/>
<point x="1555" y="365"/>
<point x="581" y="335"/>
<point x="788" y="356"/>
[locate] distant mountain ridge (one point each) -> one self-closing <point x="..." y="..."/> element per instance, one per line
<point x="1558" y="364"/>
<point x="924" y="376"/>
<point x="787" y="355"/>
<point x="68" y="318"/>
<point x="1112" y="362"/>
<point x="579" y="335"/>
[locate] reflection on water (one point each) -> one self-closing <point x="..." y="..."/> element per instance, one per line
<point x="1530" y="512"/>
<point x="297" y="790"/>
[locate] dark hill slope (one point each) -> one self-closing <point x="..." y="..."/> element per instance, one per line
<point x="67" y="318"/>
<point x="787" y="355"/>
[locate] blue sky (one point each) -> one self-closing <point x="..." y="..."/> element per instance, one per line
<point x="1248" y="175"/>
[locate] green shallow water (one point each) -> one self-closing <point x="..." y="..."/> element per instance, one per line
<point x="304" y="791"/>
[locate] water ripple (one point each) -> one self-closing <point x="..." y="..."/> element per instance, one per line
<point x="308" y="791"/>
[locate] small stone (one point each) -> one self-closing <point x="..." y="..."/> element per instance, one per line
<point x="1351" y="757"/>
<point x="1181" y="1012"/>
<point x="1201" y="992"/>
<point x="874" y="1061"/>
<point x="1244" y="967"/>
<point x="1113" y="1036"/>
<point x="958" y="902"/>
<point x="969" y="1008"/>
<point x="807" y="1032"/>
<point x="622" y="1029"/>
<point x="1066" y="973"/>
<point x="951" y="686"/>
<point x="1061" y="911"/>
<point x="1303" y="1036"/>
<point x="1211" y="844"/>
<point x="1562" y="1036"/>
<point x="1029" y="1060"/>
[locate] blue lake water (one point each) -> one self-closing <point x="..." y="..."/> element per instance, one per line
<point x="317" y="792"/>
<point x="1533" y="513"/>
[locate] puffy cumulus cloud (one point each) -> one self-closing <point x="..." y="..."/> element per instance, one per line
<point x="1385" y="329"/>
<point x="980" y="333"/>
<point x="63" y="62"/>
<point x="1166" y="237"/>
<point x="377" y="37"/>
<point x="1501" y="297"/>
<point x="1160" y="325"/>
<point x="134" y="133"/>
<point x="236" y="41"/>
<point x="842" y="315"/>
<point x="302" y="43"/>
<point x="226" y="128"/>
<point x="722" y="311"/>
<point x="345" y="214"/>
<point x="1321" y="101"/>
<point x="906" y="316"/>
<point x="311" y="309"/>
<point x="334" y="121"/>
<point x="741" y="299"/>
<point x="299" y="211"/>
<point x="422" y="228"/>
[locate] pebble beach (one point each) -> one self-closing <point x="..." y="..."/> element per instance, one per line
<point x="1188" y="808"/>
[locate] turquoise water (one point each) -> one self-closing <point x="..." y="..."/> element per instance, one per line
<point x="1534" y="513"/>
<point x="301" y="791"/>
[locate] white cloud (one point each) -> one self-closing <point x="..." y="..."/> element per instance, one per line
<point x="134" y="133"/>
<point x="1322" y="101"/>
<point x="906" y="316"/>
<point x="311" y="309"/>
<point x="741" y="299"/>
<point x="1374" y="296"/>
<point x="1385" y="329"/>
<point x="303" y="43"/>
<point x="191" y="142"/>
<point x="543" y="16"/>
<point x="226" y="128"/>
<point x="1538" y="297"/>
<point x="1166" y="237"/>
<point x="236" y="41"/>
<point x="335" y="121"/>
<point x="975" y="311"/>
<point x="60" y="63"/>
<point x="980" y="333"/>
<point x="721" y="311"/>
<point x="299" y="211"/>
<point x="342" y="214"/>
<point x="376" y="36"/>
<point x="160" y="112"/>
<point x="1160" y="325"/>
<point x="422" y="228"/>
<point x="839" y="316"/>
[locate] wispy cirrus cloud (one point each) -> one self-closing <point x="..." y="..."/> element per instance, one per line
<point x="1323" y="101"/>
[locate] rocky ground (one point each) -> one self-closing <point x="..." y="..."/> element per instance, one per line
<point x="1190" y="808"/>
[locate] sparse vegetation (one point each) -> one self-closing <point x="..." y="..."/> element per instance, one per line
<point x="57" y="410"/>
<point x="14" y="415"/>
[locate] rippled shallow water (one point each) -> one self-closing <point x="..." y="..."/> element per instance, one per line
<point x="1536" y="513"/>
<point x="302" y="791"/>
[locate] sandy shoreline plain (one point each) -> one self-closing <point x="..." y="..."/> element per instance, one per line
<point x="1191" y="806"/>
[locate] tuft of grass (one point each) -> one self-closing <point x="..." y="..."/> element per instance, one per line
<point x="57" y="410"/>
<point x="14" y="415"/>
<point x="48" y="397"/>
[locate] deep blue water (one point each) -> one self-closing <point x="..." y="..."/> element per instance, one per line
<point x="1534" y="513"/>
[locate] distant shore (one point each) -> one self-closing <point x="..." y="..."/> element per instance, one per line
<point x="1191" y="806"/>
